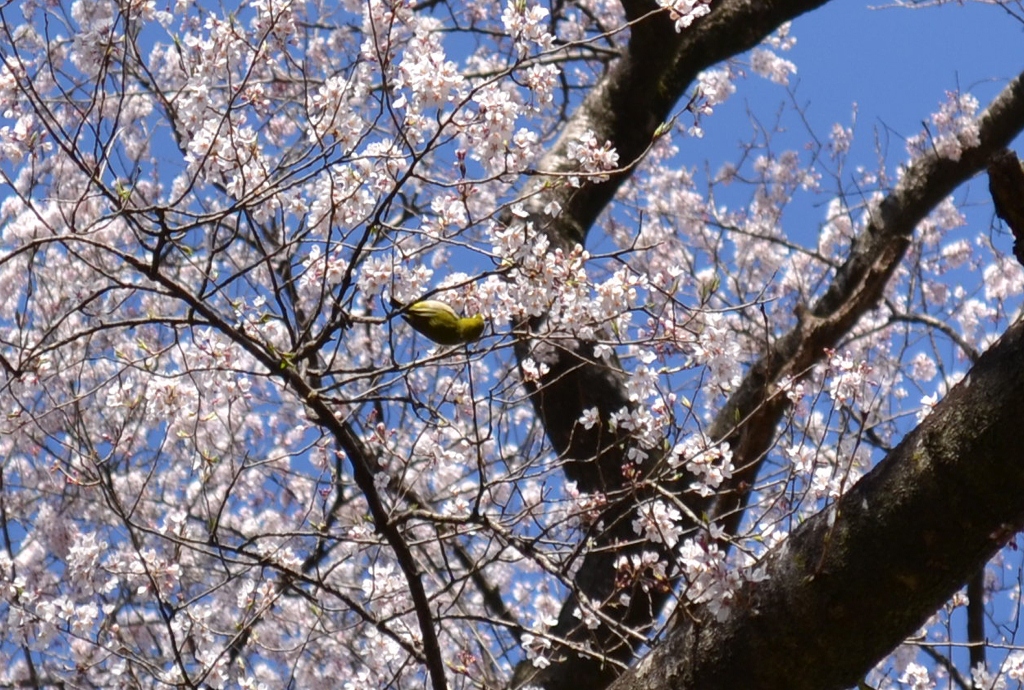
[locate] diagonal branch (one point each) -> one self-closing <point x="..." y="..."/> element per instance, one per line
<point x="626" y="108"/>
<point x="855" y="580"/>
<point x="856" y="288"/>
<point x="637" y="95"/>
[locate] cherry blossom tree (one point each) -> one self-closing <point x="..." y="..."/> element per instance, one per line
<point x="696" y="447"/>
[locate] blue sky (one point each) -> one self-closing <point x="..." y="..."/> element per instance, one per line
<point x="896" y="64"/>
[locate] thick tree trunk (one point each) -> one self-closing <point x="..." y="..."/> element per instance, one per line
<point x="594" y="456"/>
<point x="854" y="581"/>
<point x="625" y="109"/>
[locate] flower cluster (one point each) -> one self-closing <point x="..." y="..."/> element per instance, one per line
<point x="956" y="128"/>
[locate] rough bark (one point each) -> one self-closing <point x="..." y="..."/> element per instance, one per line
<point x="626" y="108"/>
<point x="855" y="580"/>
<point x="638" y="94"/>
<point x="1006" y="184"/>
<point x="856" y="288"/>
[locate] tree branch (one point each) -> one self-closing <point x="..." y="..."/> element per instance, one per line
<point x="626" y="108"/>
<point x="856" y="288"/>
<point x="855" y="580"/>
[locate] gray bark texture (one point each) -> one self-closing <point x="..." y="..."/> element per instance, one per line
<point x="854" y="581"/>
<point x="850" y="584"/>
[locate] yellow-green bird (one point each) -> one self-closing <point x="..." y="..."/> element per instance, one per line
<point x="439" y="322"/>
